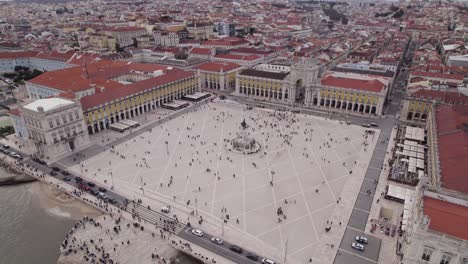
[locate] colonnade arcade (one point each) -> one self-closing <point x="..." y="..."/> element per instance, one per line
<point x="345" y="105"/>
<point x="105" y="121"/>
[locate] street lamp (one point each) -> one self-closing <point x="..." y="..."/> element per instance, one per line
<point x="222" y="221"/>
<point x="142" y="189"/>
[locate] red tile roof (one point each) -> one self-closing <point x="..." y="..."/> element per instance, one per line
<point x="452" y="134"/>
<point x="225" y="42"/>
<point x="123" y="29"/>
<point x="218" y="66"/>
<point x="80" y="78"/>
<point x="447" y="218"/>
<point x="15" y="112"/>
<point x="17" y="55"/>
<point x="437" y="75"/>
<point x="366" y="85"/>
<point x="238" y="57"/>
<point x="443" y="96"/>
<point x="200" y="51"/>
<point x="127" y="90"/>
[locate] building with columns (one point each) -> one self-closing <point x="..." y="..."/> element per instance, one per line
<point x="437" y="232"/>
<point x="128" y="101"/>
<point x="364" y="96"/>
<point x="279" y="80"/>
<point x="55" y="126"/>
<point x="218" y="75"/>
<point x="110" y="91"/>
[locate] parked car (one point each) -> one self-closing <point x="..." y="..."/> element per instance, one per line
<point x="6" y="146"/>
<point x="197" y="232"/>
<point x="361" y="239"/>
<point x="66" y="173"/>
<point x="102" y="189"/>
<point x="374" y="125"/>
<point x="252" y="257"/>
<point x="78" y="179"/>
<point x="91" y="184"/>
<point x="236" y="249"/>
<point x="67" y="179"/>
<point x="55" y="168"/>
<point x="17" y="156"/>
<point x="53" y="173"/>
<point x="217" y="240"/>
<point x="112" y="200"/>
<point x="267" y="261"/>
<point x="366" y="125"/>
<point x="94" y="192"/>
<point x="357" y="246"/>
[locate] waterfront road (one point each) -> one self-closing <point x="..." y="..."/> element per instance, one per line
<point x="151" y="216"/>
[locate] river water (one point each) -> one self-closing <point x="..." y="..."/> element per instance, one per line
<point x="28" y="233"/>
<point x="32" y="228"/>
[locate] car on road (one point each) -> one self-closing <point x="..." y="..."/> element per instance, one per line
<point x="374" y="125"/>
<point x="94" y="192"/>
<point x="357" y="246"/>
<point x="165" y="209"/>
<point x="252" y="256"/>
<point x="112" y="200"/>
<point x="102" y="189"/>
<point x="91" y="184"/>
<point x="78" y="179"/>
<point x="236" y="249"/>
<point x="102" y="196"/>
<point x="66" y="173"/>
<point x="67" y="179"/>
<point x="38" y="160"/>
<point x="267" y="261"/>
<point x="197" y="232"/>
<point x="53" y="173"/>
<point x="365" y="125"/>
<point x="361" y="239"/>
<point x="17" y="156"/>
<point x="55" y="168"/>
<point x="12" y="154"/>
<point x="6" y="146"/>
<point x="217" y="240"/>
<point x="84" y="187"/>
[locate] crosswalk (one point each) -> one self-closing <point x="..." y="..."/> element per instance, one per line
<point x="155" y="218"/>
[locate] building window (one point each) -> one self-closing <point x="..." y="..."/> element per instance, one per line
<point x="426" y="254"/>
<point x="51" y="124"/>
<point x="77" y="116"/>
<point x="445" y="259"/>
<point x="57" y="120"/>
<point x="64" y="118"/>
<point x="70" y="116"/>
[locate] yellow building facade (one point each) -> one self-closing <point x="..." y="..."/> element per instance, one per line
<point x="346" y="99"/>
<point x="100" y="117"/>
<point x="274" y="86"/>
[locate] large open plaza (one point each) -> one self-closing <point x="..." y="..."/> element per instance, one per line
<point x="294" y="192"/>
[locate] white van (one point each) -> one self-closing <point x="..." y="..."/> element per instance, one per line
<point x="267" y="261"/>
<point x="165" y="209"/>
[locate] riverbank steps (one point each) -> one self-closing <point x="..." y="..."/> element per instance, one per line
<point x="16" y="174"/>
